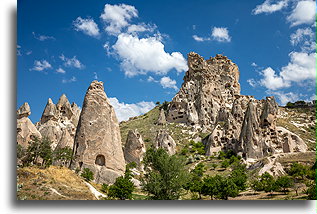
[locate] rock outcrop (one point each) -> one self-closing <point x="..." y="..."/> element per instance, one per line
<point x="165" y="141"/>
<point x="26" y="130"/>
<point x="58" y="122"/>
<point x="97" y="143"/>
<point x="210" y="101"/>
<point x="134" y="148"/>
<point x="161" y="119"/>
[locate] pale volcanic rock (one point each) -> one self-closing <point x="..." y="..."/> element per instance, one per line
<point x="98" y="141"/>
<point x="134" y="148"/>
<point x="161" y="119"/>
<point x="58" y="122"/>
<point x="165" y="141"/>
<point x="290" y="141"/>
<point x="26" y="130"/>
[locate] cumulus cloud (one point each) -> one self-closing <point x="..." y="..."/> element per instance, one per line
<point x="142" y="55"/>
<point x="252" y="82"/>
<point x="272" y="81"/>
<point x="125" y="111"/>
<point x="42" y="37"/>
<point x="300" y="68"/>
<point x="87" y="26"/>
<point x="304" y="37"/>
<point x="118" y="17"/>
<point x="167" y="82"/>
<point x="141" y="28"/>
<point x="151" y="79"/>
<point x="220" y="34"/>
<point x="71" y="62"/>
<point x="200" y="39"/>
<point x="253" y="64"/>
<point x="73" y="79"/>
<point x="60" y="70"/>
<point x="284" y="98"/>
<point x="303" y="13"/>
<point x="41" y="65"/>
<point x="269" y="7"/>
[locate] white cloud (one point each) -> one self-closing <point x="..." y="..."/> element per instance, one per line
<point x="41" y="65"/>
<point x="303" y="13"/>
<point x="151" y="79"/>
<point x="73" y="79"/>
<point x="60" y="70"/>
<point x="252" y="82"/>
<point x="269" y="7"/>
<point x="167" y="82"/>
<point x="95" y="75"/>
<point x="28" y="53"/>
<point x="87" y="26"/>
<point x="313" y="97"/>
<point x="118" y="17"/>
<point x="300" y="68"/>
<point x="304" y="37"/>
<point x="125" y="111"/>
<point x="253" y="64"/>
<point x="140" y="28"/>
<point x="220" y="34"/>
<point x="19" y="50"/>
<point x="272" y="81"/>
<point x="140" y="56"/>
<point x="284" y="98"/>
<point x="71" y="62"/>
<point x="42" y="37"/>
<point x="199" y="39"/>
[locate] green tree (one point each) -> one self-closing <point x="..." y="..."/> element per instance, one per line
<point x="265" y="182"/>
<point x="225" y="187"/>
<point x="311" y="192"/>
<point x="209" y="187"/>
<point x="239" y="176"/>
<point x="165" y="175"/>
<point x="87" y="174"/>
<point x="297" y="170"/>
<point x="39" y="148"/>
<point x="104" y="188"/>
<point x="122" y="188"/>
<point x="284" y="182"/>
<point x="20" y="151"/>
<point x="225" y="163"/>
<point x="62" y="155"/>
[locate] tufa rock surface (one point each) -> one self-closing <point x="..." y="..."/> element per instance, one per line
<point x="161" y="119"/>
<point x="26" y="130"/>
<point x="134" y="148"/>
<point x="165" y="141"/>
<point x="58" y="122"/>
<point x="210" y="101"/>
<point x="97" y="143"/>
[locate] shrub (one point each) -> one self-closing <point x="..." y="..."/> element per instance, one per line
<point x="283" y="182"/>
<point x="122" y="188"/>
<point x="104" y="188"/>
<point x="87" y="174"/>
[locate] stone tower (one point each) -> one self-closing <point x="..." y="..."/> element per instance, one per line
<point x="97" y="143"/>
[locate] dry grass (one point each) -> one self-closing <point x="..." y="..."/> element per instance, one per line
<point x="53" y="183"/>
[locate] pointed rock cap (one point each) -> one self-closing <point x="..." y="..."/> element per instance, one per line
<point x="64" y="107"/>
<point x="50" y="111"/>
<point x="162" y="119"/>
<point x="24" y="111"/>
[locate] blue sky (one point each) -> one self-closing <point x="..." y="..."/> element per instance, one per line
<point x="139" y="48"/>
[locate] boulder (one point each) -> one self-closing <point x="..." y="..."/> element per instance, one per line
<point x="26" y="130"/>
<point x="97" y="143"/>
<point x="165" y="141"/>
<point x="134" y="148"/>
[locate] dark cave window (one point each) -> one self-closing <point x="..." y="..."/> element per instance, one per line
<point x="100" y="160"/>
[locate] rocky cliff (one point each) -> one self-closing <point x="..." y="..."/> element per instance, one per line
<point x="26" y="130"/>
<point x="210" y="101"/>
<point x="97" y="144"/>
<point x="58" y="122"/>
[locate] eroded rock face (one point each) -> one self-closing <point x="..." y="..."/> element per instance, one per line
<point x="134" y="148"/>
<point x="98" y="141"/>
<point x="165" y="141"/>
<point x="208" y="86"/>
<point x="58" y="122"/>
<point x="162" y="119"/>
<point x="26" y="130"/>
<point x="210" y="99"/>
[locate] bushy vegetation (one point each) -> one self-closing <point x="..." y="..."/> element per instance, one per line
<point x="87" y="174"/>
<point x="164" y="176"/>
<point x="39" y="152"/>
